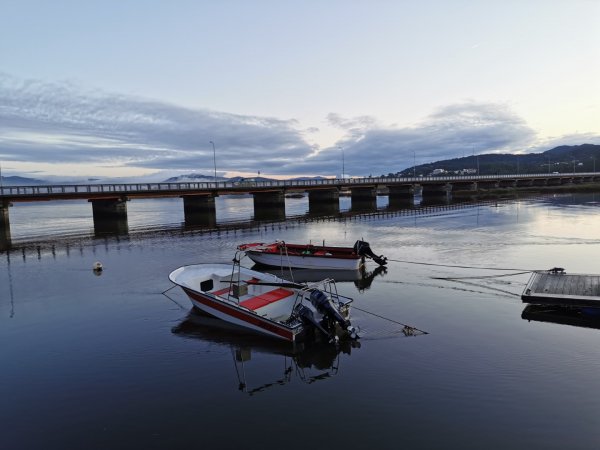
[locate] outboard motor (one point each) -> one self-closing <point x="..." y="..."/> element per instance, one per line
<point x="307" y="316"/>
<point x="363" y="248"/>
<point x="325" y="306"/>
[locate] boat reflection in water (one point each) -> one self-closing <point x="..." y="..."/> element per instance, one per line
<point x="308" y="361"/>
<point x="563" y="315"/>
<point x="362" y="277"/>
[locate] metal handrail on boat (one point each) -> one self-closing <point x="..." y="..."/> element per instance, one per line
<point x="327" y="285"/>
<point x="236" y="263"/>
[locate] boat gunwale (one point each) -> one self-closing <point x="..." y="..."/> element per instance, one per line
<point x="234" y="309"/>
<point x="336" y="252"/>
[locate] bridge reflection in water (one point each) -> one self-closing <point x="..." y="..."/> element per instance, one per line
<point x="209" y="225"/>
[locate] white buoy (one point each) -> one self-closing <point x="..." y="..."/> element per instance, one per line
<point x="97" y="266"/>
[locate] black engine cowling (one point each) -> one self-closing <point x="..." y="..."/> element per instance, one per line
<point x="363" y="248"/>
<point x="324" y="305"/>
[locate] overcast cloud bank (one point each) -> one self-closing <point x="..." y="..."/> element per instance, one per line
<point x="61" y="123"/>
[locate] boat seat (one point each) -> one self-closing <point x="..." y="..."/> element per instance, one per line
<point x="266" y="299"/>
<point x="224" y="291"/>
<point x="221" y="291"/>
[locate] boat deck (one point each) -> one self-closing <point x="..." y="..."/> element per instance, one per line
<point x="555" y="287"/>
<point x="256" y="297"/>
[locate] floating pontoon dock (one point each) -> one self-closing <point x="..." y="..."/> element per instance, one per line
<point x="555" y="287"/>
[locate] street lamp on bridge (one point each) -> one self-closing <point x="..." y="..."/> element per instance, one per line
<point x="214" y="158"/>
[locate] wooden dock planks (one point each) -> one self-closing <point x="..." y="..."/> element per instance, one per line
<point x="549" y="288"/>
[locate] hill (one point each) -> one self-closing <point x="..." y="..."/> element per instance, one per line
<point x="19" y="181"/>
<point x="562" y="159"/>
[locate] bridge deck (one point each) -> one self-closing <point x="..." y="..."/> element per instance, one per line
<point x="153" y="190"/>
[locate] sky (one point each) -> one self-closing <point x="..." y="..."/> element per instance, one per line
<point x="147" y="88"/>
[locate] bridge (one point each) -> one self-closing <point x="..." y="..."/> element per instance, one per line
<point x="109" y="201"/>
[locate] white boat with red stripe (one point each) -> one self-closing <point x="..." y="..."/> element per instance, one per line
<point x="309" y="256"/>
<point x="265" y="303"/>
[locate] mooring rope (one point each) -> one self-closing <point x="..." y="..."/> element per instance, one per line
<point x="390" y="320"/>
<point x="463" y="267"/>
<point x="481" y="277"/>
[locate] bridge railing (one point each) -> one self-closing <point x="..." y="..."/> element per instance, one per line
<point x="124" y="188"/>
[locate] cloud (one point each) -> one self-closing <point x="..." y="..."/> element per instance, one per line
<point x="450" y="132"/>
<point x="62" y="123"/>
<point x="568" y="139"/>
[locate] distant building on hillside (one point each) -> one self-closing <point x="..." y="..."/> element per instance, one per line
<point x="466" y="172"/>
<point x="438" y="172"/>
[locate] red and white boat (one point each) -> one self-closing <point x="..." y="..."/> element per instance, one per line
<point x="267" y="304"/>
<point x="309" y="256"/>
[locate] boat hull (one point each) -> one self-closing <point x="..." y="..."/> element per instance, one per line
<point x="262" y="302"/>
<point x="240" y="317"/>
<point x="304" y="261"/>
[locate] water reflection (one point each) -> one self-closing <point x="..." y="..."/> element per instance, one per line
<point x="307" y="362"/>
<point x="578" y="317"/>
<point x="362" y="278"/>
<point x="269" y="214"/>
<point x="323" y="209"/>
<point x="363" y="206"/>
<point x="116" y="227"/>
<point x="5" y="242"/>
<point x="120" y="229"/>
<point x="206" y="219"/>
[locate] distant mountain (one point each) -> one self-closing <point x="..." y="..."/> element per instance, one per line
<point x="193" y="177"/>
<point x="307" y="178"/>
<point x="234" y="179"/>
<point x="205" y="178"/>
<point x="562" y="159"/>
<point x="20" y="181"/>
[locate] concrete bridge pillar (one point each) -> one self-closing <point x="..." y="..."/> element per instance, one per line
<point x="524" y="183"/>
<point x="110" y="215"/>
<point x="363" y="198"/>
<point x="401" y="196"/>
<point x="438" y="190"/>
<point x="363" y="193"/>
<point x="507" y="183"/>
<point x="4" y="225"/>
<point x="405" y="191"/>
<point x="487" y="184"/>
<point x="470" y="186"/>
<point x="269" y="205"/>
<point x="199" y="210"/>
<point x="327" y="195"/>
<point x="324" y="201"/>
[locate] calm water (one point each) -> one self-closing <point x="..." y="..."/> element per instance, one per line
<point x="110" y="362"/>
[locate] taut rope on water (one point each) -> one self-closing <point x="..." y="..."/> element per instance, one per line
<point x="481" y="277"/>
<point x="464" y="267"/>
<point x="407" y="329"/>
